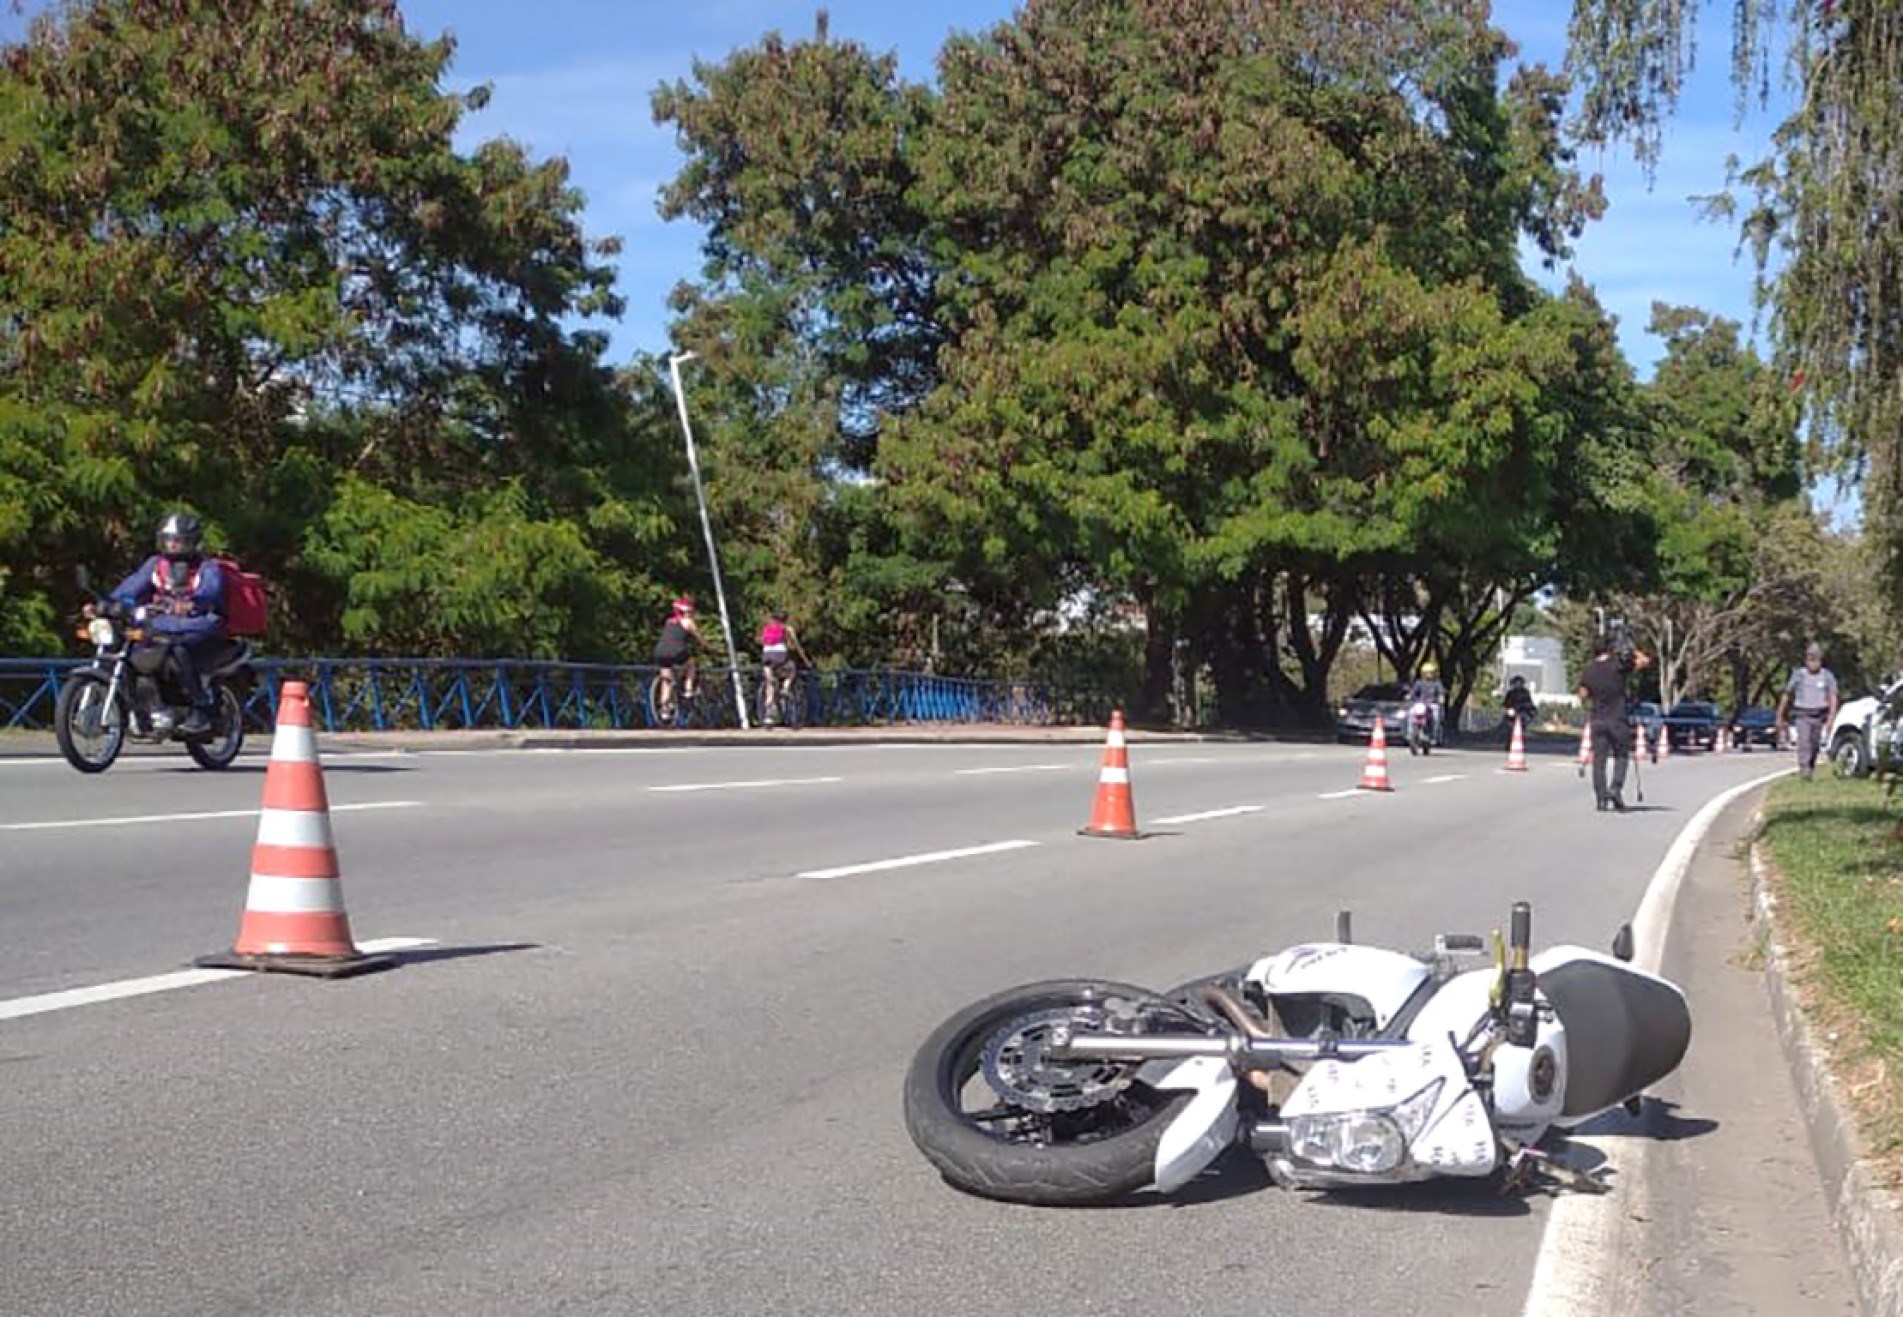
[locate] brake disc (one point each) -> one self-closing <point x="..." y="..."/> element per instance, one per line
<point x="1020" y="1070"/>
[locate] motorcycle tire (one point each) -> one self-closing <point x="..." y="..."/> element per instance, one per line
<point x="1045" y="1174"/>
<point x="66" y="708"/>
<point x="221" y="750"/>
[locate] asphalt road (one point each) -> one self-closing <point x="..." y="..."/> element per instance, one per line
<point x="649" y="1067"/>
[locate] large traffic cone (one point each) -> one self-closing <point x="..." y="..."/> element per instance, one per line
<point x="1585" y="748"/>
<point x="294" y="918"/>
<point x="1665" y="744"/>
<point x="1374" y="773"/>
<point x="1113" y="813"/>
<point x="1516" y="751"/>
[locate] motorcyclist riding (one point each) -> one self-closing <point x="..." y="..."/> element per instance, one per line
<point x="1519" y="704"/>
<point x="184" y="594"/>
<point x="1427" y="689"/>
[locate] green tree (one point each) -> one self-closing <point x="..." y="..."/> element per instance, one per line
<point x="1724" y="467"/>
<point x="1236" y="324"/>
<point x="1822" y="222"/>
<point x="815" y="317"/>
<point x="243" y="268"/>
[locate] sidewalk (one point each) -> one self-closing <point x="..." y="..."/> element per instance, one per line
<point x="1736" y="1218"/>
<point x="41" y="744"/>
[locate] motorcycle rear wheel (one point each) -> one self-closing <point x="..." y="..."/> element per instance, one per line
<point x="91" y="732"/>
<point x="218" y="753"/>
<point x="1104" y="1151"/>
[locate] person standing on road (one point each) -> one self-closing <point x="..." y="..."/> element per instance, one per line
<point x="1811" y="693"/>
<point x="1602" y="686"/>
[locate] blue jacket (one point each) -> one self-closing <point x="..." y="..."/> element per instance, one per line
<point x="203" y="595"/>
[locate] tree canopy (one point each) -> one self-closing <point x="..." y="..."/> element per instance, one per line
<point x="1160" y="341"/>
<point x="243" y="269"/>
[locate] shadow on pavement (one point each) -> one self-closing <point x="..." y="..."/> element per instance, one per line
<point x="253" y="769"/>
<point x="421" y="955"/>
<point x="1442" y="1197"/>
<point x="1658" y="1120"/>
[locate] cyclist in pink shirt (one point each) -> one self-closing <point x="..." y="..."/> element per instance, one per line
<point x="779" y="647"/>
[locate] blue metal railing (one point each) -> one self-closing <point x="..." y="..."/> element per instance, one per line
<point x="360" y="694"/>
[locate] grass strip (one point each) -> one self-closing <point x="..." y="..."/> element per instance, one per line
<point x="1837" y="847"/>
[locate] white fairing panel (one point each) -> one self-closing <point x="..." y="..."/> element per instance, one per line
<point x="1455" y="1139"/>
<point x="1529" y="1084"/>
<point x="1384" y="979"/>
<point x="1206" y="1126"/>
<point x="1456" y="1006"/>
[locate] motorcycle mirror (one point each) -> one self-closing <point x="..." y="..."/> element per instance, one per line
<point x="1622" y="943"/>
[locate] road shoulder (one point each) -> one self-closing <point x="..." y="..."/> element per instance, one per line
<point x="1737" y="1217"/>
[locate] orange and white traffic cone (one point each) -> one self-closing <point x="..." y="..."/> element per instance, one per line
<point x="1665" y="744"/>
<point x="1113" y="813"/>
<point x="1516" y="751"/>
<point x="1585" y="749"/>
<point x="294" y="918"/>
<point x="1374" y="773"/>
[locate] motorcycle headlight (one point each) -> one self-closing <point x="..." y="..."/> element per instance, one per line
<point x="1364" y="1142"/>
<point x="99" y="631"/>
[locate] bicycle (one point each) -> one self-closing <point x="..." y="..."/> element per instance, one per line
<point x="783" y="695"/>
<point x="676" y="707"/>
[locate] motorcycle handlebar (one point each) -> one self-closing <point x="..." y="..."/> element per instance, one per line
<point x="1521" y="939"/>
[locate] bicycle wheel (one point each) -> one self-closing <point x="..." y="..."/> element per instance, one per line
<point x="663" y="713"/>
<point x="793" y="700"/>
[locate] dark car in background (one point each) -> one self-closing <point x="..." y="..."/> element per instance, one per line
<point x="1387" y="700"/>
<point x="1693" y="723"/>
<point x="1754" y="727"/>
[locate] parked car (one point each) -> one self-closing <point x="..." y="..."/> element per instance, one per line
<point x="1754" y="726"/>
<point x="1693" y="722"/>
<point x="1860" y="728"/>
<point x="1387" y="700"/>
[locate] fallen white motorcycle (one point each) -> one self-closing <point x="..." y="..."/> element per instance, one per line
<point x="1340" y="1065"/>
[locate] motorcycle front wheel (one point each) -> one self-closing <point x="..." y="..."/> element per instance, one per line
<point x="217" y="751"/>
<point x="1060" y="1132"/>
<point x="89" y="725"/>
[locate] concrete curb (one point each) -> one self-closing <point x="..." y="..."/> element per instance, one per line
<point x="1868" y="1217"/>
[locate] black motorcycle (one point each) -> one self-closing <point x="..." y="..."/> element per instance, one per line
<point x="130" y="691"/>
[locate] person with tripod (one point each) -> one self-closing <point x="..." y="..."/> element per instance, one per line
<point x="1602" y="686"/>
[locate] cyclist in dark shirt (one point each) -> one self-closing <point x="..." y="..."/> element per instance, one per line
<point x="1602" y="685"/>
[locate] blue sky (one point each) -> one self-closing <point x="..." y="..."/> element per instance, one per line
<point x="573" y="77"/>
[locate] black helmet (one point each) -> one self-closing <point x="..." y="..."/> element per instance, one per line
<point x="181" y="535"/>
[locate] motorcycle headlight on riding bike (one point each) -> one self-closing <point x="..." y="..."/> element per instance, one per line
<point x="1363" y="1142"/>
<point x="100" y="631"/>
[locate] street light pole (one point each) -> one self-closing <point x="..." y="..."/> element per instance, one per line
<point x="707" y="530"/>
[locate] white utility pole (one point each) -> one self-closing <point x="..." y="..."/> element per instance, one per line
<point x="707" y="529"/>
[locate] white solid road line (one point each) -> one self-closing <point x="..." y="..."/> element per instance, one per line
<point x="1018" y="768"/>
<point x="1230" y="812"/>
<point x="1349" y="794"/>
<point x="1585" y="1256"/>
<point x="185" y="978"/>
<point x="741" y="786"/>
<point x="132" y="819"/>
<point x="906" y="861"/>
<point x="1444" y="777"/>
